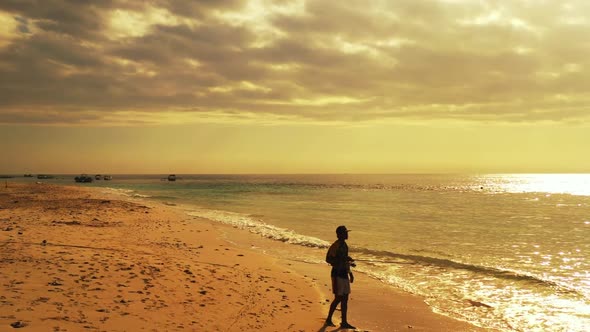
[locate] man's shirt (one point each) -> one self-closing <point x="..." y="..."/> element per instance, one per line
<point x="338" y="256"/>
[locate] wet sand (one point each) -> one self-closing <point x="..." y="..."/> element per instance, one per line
<point x="81" y="259"/>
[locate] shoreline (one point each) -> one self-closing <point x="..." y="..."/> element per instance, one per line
<point x="111" y="263"/>
<point x="373" y="304"/>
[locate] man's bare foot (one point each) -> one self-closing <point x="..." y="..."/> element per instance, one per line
<point x="345" y="325"/>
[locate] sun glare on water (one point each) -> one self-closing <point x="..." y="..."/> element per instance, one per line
<point x="574" y="184"/>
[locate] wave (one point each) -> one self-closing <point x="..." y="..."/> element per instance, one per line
<point x="119" y="191"/>
<point x="364" y="187"/>
<point x="164" y="197"/>
<point x="134" y="193"/>
<point x="371" y="256"/>
<point x="257" y="226"/>
<point x="126" y="192"/>
<point x="385" y="257"/>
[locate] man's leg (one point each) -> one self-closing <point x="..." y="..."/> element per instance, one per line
<point x="344" y="308"/>
<point x="333" y="305"/>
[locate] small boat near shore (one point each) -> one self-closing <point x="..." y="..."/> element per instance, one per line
<point x="83" y="178"/>
<point x="107" y="177"/>
<point x="172" y="177"/>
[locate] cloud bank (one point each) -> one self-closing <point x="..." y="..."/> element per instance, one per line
<point x="121" y="62"/>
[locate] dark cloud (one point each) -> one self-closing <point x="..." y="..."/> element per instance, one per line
<point x="199" y="9"/>
<point x="23" y="25"/>
<point x="79" y="19"/>
<point x="329" y="61"/>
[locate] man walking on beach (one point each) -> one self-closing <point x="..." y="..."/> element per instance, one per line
<point x="341" y="275"/>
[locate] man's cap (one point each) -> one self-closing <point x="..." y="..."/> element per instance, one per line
<point x="342" y="229"/>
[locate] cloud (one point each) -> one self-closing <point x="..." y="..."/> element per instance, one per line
<point x="327" y="61"/>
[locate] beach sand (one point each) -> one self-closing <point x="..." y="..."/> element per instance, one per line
<point x="82" y="259"/>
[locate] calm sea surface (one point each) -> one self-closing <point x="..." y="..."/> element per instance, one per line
<point x="504" y="251"/>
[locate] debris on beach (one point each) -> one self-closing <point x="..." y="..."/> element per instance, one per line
<point x="18" y="325"/>
<point x="478" y="304"/>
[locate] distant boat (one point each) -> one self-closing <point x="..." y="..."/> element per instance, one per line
<point x="107" y="177"/>
<point x="83" y="178"/>
<point x="97" y="177"/>
<point x="172" y="177"/>
<point x="45" y="176"/>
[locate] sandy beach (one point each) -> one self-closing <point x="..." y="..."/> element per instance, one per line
<point x="81" y="259"/>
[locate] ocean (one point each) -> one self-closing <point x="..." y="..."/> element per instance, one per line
<point x="506" y="251"/>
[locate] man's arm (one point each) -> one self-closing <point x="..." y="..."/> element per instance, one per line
<point x="348" y="265"/>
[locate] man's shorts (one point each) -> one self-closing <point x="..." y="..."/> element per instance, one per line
<point x="340" y="286"/>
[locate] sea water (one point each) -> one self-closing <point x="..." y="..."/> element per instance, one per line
<point x="510" y="252"/>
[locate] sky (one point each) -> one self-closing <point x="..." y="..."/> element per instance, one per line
<point x="317" y="86"/>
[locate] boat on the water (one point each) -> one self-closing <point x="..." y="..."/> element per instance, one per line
<point x="83" y="178"/>
<point x="172" y="177"/>
<point x="97" y="177"/>
<point x="107" y="177"/>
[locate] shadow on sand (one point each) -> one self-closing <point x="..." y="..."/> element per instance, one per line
<point x="327" y="328"/>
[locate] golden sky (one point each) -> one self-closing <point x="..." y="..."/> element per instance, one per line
<point x="317" y="86"/>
